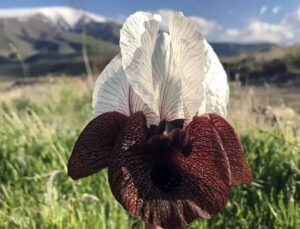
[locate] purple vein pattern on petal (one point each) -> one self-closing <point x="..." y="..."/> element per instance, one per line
<point x="113" y="92"/>
<point x="188" y="53"/>
<point x="167" y="83"/>
<point x="137" y="41"/>
<point x="94" y="145"/>
<point x="240" y="170"/>
<point x="205" y="176"/>
<point x="207" y="168"/>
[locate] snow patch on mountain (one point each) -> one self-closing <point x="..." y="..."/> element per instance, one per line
<point x="61" y="16"/>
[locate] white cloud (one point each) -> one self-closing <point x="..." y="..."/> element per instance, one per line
<point x="258" y="31"/>
<point x="263" y="9"/>
<point x="207" y="26"/>
<point x="292" y="19"/>
<point x="285" y="32"/>
<point x="276" y="9"/>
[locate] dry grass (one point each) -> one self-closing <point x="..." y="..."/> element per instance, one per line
<point x="242" y="102"/>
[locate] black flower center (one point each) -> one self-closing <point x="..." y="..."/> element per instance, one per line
<point x="165" y="177"/>
<point x="161" y="150"/>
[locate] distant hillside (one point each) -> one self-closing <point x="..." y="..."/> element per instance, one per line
<point x="280" y="65"/>
<point x="39" y="41"/>
<point x="108" y="31"/>
<point x="224" y="49"/>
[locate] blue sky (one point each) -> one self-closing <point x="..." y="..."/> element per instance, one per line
<point x="236" y="18"/>
<point x="231" y="13"/>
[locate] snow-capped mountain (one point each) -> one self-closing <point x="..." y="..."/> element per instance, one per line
<point x="50" y="39"/>
<point x="63" y="17"/>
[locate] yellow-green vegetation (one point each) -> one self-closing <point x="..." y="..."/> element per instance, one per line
<point x="39" y="125"/>
<point x="256" y="61"/>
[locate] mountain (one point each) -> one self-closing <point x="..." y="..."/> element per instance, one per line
<point x="108" y="31"/>
<point x="39" y="41"/>
<point x="227" y="49"/>
<point x="49" y="40"/>
<point x="277" y="65"/>
<point x="63" y="17"/>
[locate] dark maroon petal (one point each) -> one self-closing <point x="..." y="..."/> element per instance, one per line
<point x="94" y="145"/>
<point x="127" y="163"/>
<point x="240" y="170"/>
<point x="205" y="176"/>
<point x="205" y="172"/>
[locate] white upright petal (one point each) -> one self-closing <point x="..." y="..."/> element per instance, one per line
<point x="216" y="85"/>
<point x="113" y="92"/>
<point x="166" y="82"/>
<point x="137" y="41"/>
<point x="188" y="47"/>
<point x="188" y="53"/>
<point x="175" y="94"/>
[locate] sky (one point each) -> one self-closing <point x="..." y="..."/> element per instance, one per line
<point x="276" y="21"/>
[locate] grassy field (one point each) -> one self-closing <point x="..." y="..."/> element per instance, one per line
<point x="39" y="125"/>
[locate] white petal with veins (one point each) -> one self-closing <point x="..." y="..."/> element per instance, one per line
<point x="167" y="76"/>
<point x="113" y="92"/>
<point x="188" y="52"/>
<point x="166" y="82"/>
<point x="137" y="40"/>
<point x="176" y="95"/>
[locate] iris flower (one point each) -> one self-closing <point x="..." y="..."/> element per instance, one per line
<point x="160" y="126"/>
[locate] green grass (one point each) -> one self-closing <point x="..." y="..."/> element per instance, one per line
<point x="36" y="139"/>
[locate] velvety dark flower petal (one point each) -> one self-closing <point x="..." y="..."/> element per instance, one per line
<point x="128" y="162"/>
<point x="202" y="179"/>
<point x="206" y="173"/>
<point x="94" y="145"/>
<point x="240" y="170"/>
